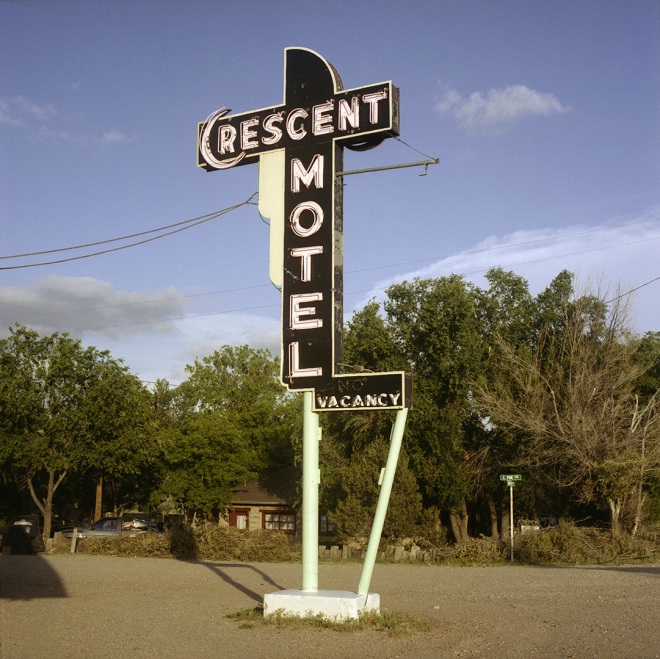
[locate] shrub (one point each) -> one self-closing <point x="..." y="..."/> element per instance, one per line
<point x="205" y="542"/>
<point x="568" y="543"/>
<point x="144" y="545"/>
<point x="214" y="543"/>
<point x="479" y="551"/>
<point x="430" y="531"/>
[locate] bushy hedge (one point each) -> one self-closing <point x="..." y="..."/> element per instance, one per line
<point x="564" y="544"/>
<point x="478" y="551"/>
<point x="214" y="543"/>
<point x="204" y="542"/>
<point x="567" y="543"/>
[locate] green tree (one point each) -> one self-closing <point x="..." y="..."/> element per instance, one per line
<point x="45" y="408"/>
<point x="435" y="324"/>
<point x="572" y="403"/>
<point x="551" y="304"/>
<point x="204" y="460"/>
<point x="648" y="354"/>
<point x="120" y="433"/>
<point x="354" y="450"/>
<point x="507" y="312"/>
<point x="370" y="343"/>
<point x="456" y="339"/>
<point x="230" y="421"/>
<point x="358" y="495"/>
<point x="648" y="413"/>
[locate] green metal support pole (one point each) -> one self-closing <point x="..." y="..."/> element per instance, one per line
<point x="310" y="487"/>
<point x="383" y="501"/>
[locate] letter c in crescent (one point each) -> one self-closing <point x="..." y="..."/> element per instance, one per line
<point x="204" y="146"/>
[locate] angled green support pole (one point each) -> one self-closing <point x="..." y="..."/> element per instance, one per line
<point x="310" y="487"/>
<point x="383" y="501"/>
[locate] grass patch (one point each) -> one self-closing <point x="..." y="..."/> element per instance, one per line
<point x="392" y="623"/>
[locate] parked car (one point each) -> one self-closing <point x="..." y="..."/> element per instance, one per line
<point x="60" y="526"/>
<point x="115" y="526"/>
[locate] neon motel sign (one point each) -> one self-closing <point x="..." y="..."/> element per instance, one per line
<point x="300" y="148"/>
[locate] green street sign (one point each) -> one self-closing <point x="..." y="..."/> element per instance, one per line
<point x="510" y="477"/>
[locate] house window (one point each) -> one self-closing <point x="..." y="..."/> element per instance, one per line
<point x="239" y="518"/>
<point x="278" y="521"/>
<point x="325" y="526"/>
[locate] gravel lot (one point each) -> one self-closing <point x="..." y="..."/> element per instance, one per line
<point x="80" y="606"/>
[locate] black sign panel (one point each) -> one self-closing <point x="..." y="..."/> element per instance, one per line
<point x="365" y="391"/>
<point x="227" y="141"/>
<point x="316" y="121"/>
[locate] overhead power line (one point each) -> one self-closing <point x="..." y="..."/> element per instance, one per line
<point x="266" y="306"/>
<point x="436" y="258"/>
<point x="632" y="290"/>
<point x="271" y="306"/>
<point x="181" y="226"/>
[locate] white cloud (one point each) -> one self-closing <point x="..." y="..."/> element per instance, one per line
<point x="157" y="333"/>
<point x="152" y="331"/>
<point x="80" y="305"/>
<point x="47" y="133"/>
<point x="110" y="137"/>
<point x="496" y="110"/>
<point x="115" y="137"/>
<point x="618" y="258"/>
<point x="166" y="355"/>
<point x="41" y="112"/>
<point x="20" y="111"/>
<point x="6" y="114"/>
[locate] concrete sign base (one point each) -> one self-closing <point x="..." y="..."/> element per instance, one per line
<point x="331" y="604"/>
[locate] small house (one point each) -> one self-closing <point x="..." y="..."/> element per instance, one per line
<point x="270" y="503"/>
<point x="267" y="503"/>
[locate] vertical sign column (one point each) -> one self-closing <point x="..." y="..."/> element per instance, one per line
<point x="308" y="285"/>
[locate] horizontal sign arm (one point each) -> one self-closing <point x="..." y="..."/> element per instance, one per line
<point x="420" y="163"/>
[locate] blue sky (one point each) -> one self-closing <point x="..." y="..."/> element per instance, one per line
<point x="545" y="116"/>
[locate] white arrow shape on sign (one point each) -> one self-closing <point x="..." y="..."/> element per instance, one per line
<point x="271" y="206"/>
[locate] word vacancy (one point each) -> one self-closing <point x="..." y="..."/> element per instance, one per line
<point x="299" y="145"/>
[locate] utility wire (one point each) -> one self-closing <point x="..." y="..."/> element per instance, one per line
<point x="186" y="317"/>
<point x="467" y="253"/>
<point x="270" y="306"/>
<point x="547" y="258"/>
<point x="195" y="221"/>
<point x="381" y="288"/>
<point x="421" y="153"/>
<point x="189" y="224"/>
<point x="139" y="302"/>
<point x="110" y="240"/>
<point x="632" y="290"/>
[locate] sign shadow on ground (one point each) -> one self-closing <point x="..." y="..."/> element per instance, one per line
<point x="219" y="569"/>
<point x="29" y="577"/>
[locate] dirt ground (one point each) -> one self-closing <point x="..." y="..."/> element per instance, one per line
<point x="81" y="606"/>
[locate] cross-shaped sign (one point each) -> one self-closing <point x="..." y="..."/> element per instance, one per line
<point x="300" y="148"/>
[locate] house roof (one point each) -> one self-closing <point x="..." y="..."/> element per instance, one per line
<point x="279" y="487"/>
